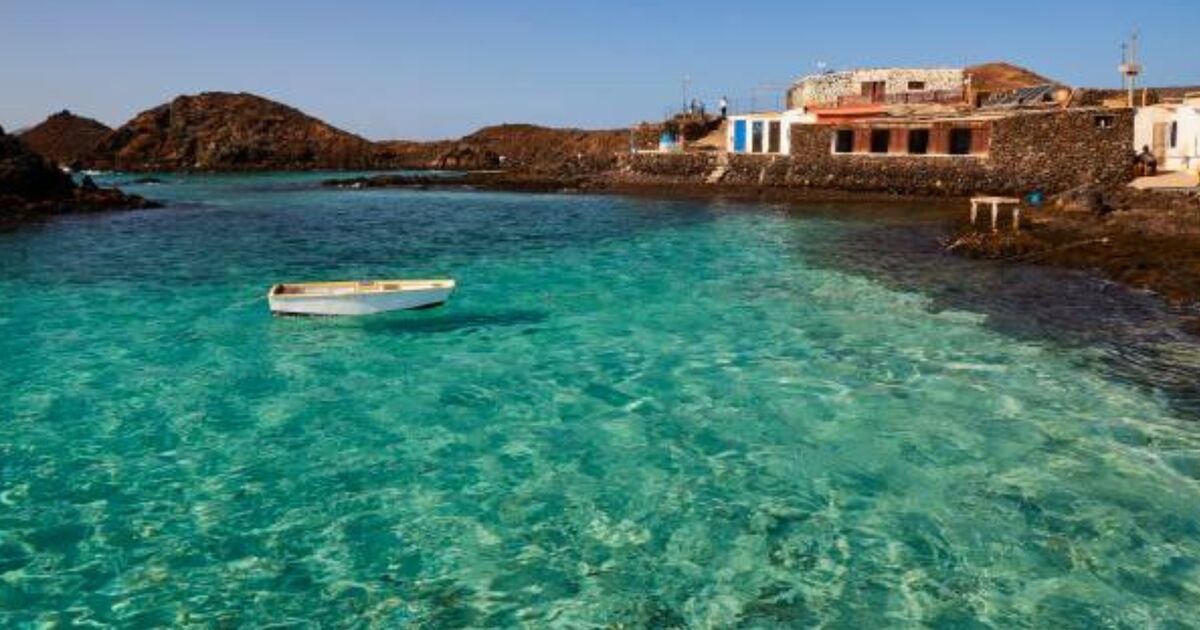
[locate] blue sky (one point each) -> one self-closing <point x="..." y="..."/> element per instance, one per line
<point x="404" y="69"/>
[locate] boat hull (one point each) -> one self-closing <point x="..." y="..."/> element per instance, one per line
<point x="359" y="304"/>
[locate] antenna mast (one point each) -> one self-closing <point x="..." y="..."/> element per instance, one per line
<point x="1130" y="69"/>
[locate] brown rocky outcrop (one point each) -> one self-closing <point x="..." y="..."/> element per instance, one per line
<point x="31" y="188"/>
<point x="65" y="138"/>
<point x="220" y="131"/>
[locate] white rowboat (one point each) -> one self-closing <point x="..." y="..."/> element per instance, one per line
<point x="357" y="297"/>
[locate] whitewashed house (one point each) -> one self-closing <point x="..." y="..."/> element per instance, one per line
<point x="764" y="133"/>
<point x="1172" y="131"/>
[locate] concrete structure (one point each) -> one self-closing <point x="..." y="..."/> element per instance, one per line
<point x="1172" y="131"/>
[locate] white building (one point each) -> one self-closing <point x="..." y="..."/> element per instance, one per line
<point x="765" y="133"/>
<point x="1172" y="131"/>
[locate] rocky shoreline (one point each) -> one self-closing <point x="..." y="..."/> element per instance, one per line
<point x="32" y="189"/>
<point x="1144" y="240"/>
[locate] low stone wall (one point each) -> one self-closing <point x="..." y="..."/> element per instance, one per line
<point x="1050" y="151"/>
<point x="672" y="165"/>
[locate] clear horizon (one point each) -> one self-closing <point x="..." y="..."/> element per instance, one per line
<point x="413" y="71"/>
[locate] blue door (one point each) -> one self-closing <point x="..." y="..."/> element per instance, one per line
<point x="739" y="136"/>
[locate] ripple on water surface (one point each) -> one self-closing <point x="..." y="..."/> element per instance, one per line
<point x="632" y="412"/>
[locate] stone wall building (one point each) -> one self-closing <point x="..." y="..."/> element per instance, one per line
<point x="1012" y="153"/>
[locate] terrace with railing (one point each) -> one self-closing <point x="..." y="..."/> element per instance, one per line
<point x="926" y="97"/>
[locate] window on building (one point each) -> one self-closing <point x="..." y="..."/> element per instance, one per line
<point x="916" y="86"/>
<point x="1174" y="134"/>
<point x="773" y="129"/>
<point x="756" y="137"/>
<point x="918" y="141"/>
<point x="880" y="140"/>
<point x="960" y="141"/>
<point x="1104" y="122"/>
<point x="843" y="141"/>
<point x="874" y="90"/>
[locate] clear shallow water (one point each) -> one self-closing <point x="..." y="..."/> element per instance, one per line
<point x="632" y="412"/>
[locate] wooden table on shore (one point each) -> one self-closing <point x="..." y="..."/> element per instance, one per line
<point x="996" y="203"/>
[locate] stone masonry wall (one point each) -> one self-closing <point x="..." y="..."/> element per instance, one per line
<point x="1059" y="150"/>
<point x="1051" y="151"/>
<point x="691" y="166"/>
<point x="826" y="88"/>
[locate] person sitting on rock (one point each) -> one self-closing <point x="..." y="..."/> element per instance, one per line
<point x="1148" y="162"/>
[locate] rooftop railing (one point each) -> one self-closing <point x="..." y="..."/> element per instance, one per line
<point x="903" y="98"/>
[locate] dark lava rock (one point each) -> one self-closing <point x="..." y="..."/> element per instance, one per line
<point x="32" y="189"/>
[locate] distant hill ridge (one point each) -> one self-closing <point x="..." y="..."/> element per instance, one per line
<point x="224" y="131"/>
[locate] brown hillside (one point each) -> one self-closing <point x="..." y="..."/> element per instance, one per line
<point x="509" y="146"/>
<point x="1000" y="76"/>
<point x="220" y="131"/>
<point x="548" y="148"/>
<point x="65" y="137"/>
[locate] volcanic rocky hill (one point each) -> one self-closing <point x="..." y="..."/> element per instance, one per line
<point x="220" y="131"/>
<point x="32" y="188"/>
<point x="65" y="137"/>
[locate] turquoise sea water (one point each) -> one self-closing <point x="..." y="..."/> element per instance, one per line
<point x="633" y="413"/>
